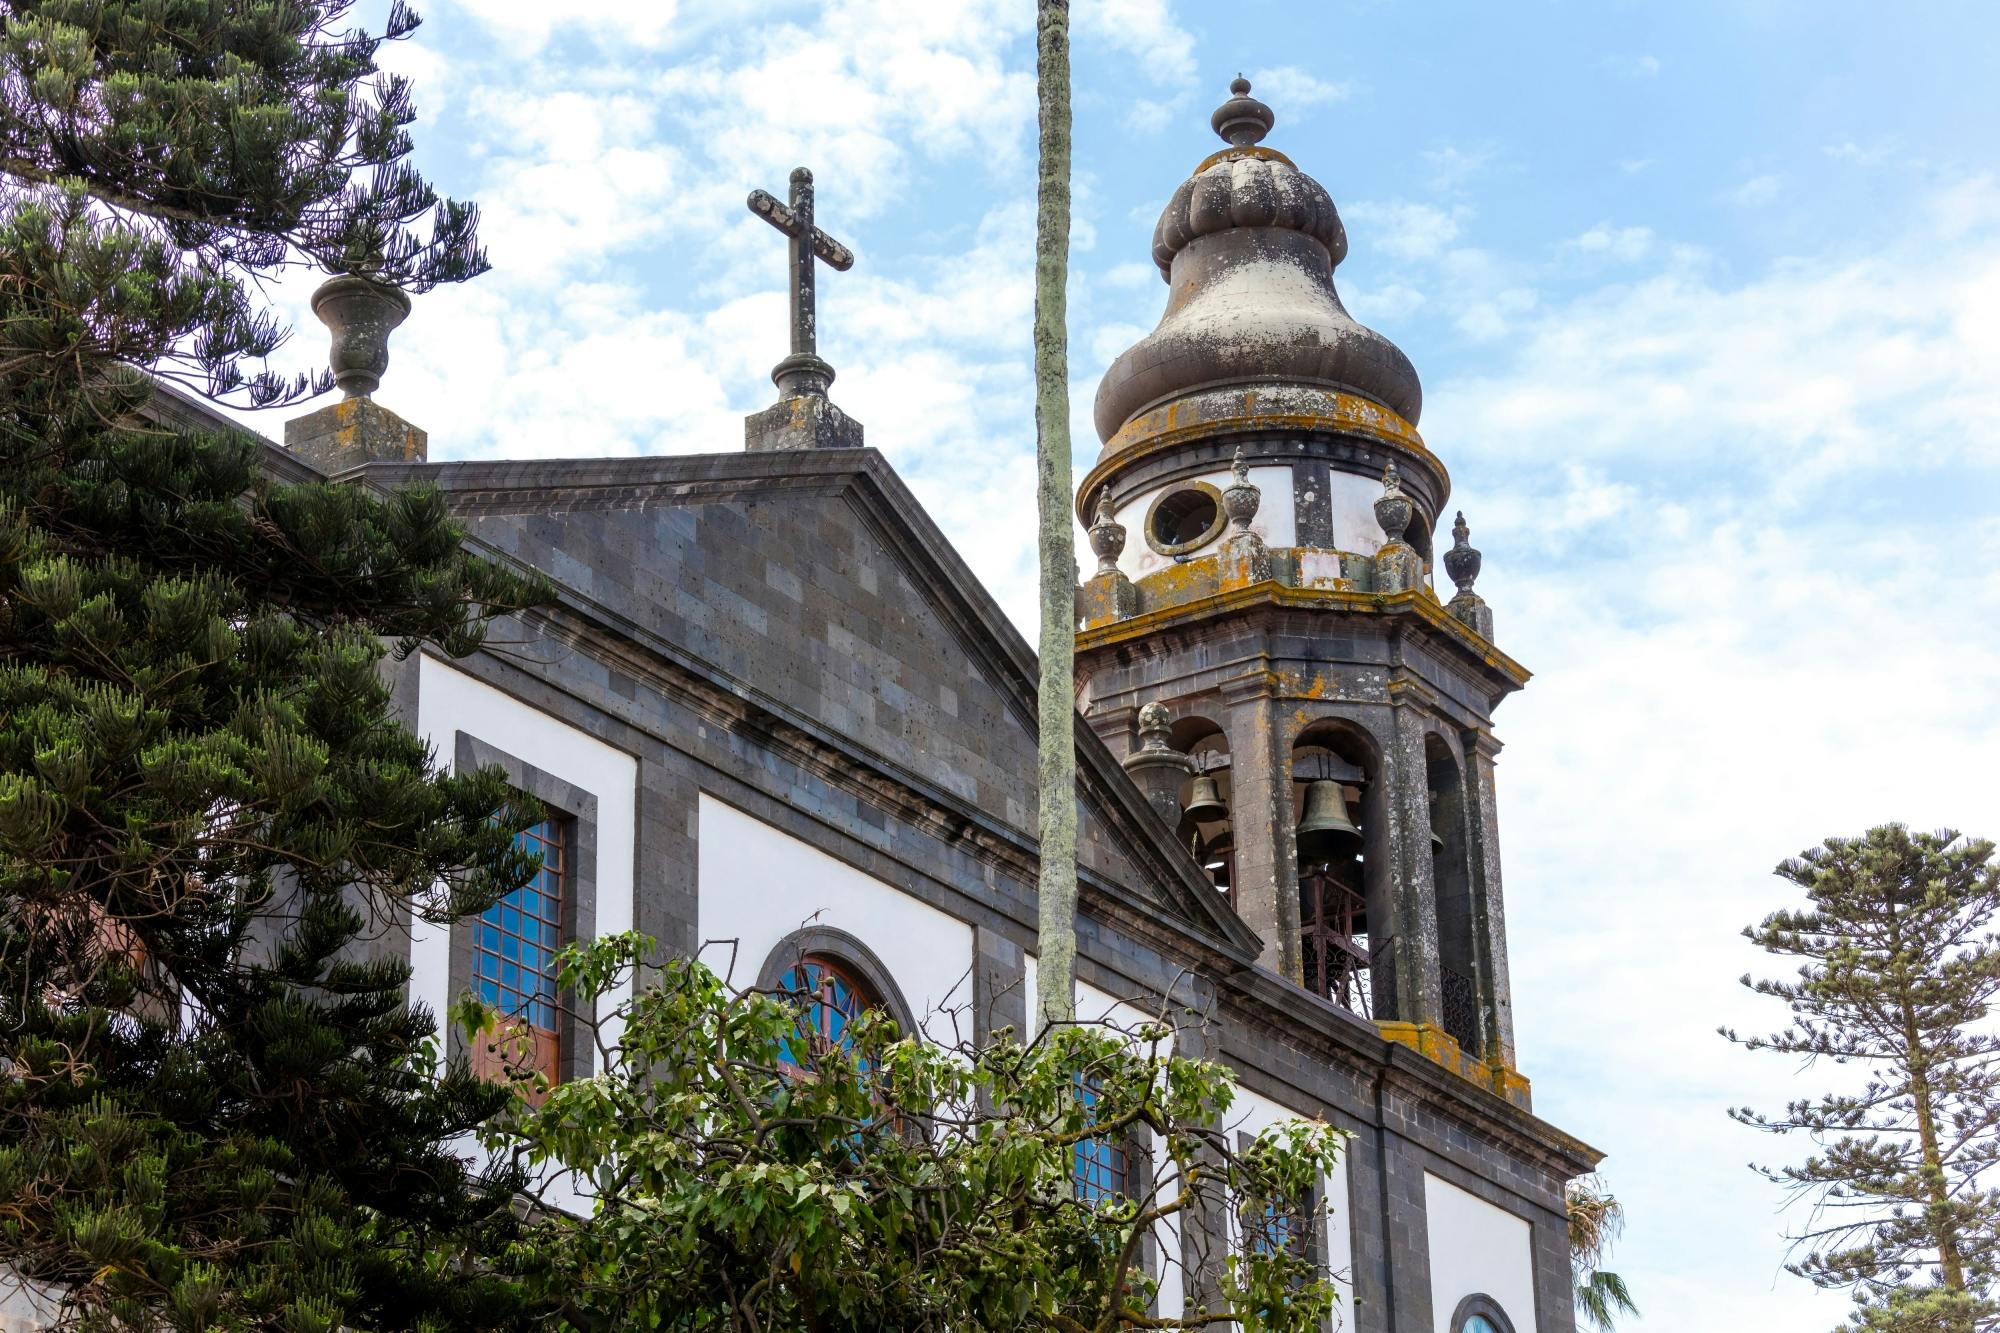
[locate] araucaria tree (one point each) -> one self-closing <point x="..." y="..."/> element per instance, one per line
<point x="1899" y="964"/>
<point x="763" y="1160"/>
<point x="216" y="1110"/>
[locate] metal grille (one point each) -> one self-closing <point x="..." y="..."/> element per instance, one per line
<point x="1333" y="920"/>
<point x="1461" y="1008"/>
<point x="1099" y="1168"/>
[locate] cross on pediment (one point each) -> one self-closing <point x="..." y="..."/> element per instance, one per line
<point x="803" y="372"/>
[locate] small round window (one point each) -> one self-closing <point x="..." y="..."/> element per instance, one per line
<point x="1185" y="519"/>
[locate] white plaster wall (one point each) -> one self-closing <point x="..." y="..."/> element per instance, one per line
<point x="1094" y="1006"/>
<point x="448" y="702"/>
<point x="1354" y="525"/>
<point x="25" y="1308"/>
<point x="757" y="884"/>
<point x="1275" y="522"/>
<point x="1251" y="1114"/>
<point x="1477" y="1249"/>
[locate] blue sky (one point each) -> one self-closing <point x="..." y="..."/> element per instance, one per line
<point x="1706" y="299"/>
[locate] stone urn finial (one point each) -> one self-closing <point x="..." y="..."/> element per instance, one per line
<point x="1242" y="121"/>
<point x="361" y="313"/>
<point x="1393" y="509"/>
<point x="1240" y="498"/>
<point x="1155" y="726"/>
<point x="1107" y="535"/>
<point x="1461" y="562"/>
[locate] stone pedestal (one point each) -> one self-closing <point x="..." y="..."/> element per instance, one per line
<point x="1471" y="610"/>
<point x="1244" y="560"/>
<point x="1105" y="598"/>
<point x="1157" y="768"/>
<point x="354" y="431"/>
<point x="807" y="421"/>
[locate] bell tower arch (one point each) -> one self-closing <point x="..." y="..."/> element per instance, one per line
<point x="1318" y="721"/>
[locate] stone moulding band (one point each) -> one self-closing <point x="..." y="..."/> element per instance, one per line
<point x="1219" y="414"/>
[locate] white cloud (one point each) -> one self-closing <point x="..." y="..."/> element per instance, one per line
<point x="1493" y="316"/>
<point x="1402" y="229"/>
<point x="1726" y="524"/>
<point x="1634" y="67"/>
<point x="1148" y="115"/>
<point x="1144" y="30"/>
<point x="1392" y="301"/>
<point x="1452" y="166"/>
<point x="1625" y="244"/>
<point x="1873" y="154"/>
<point x="528" y="25"/>
<point x="1288" y="88"/>
<point x="1818" y="366"/>
<point x="1758" y="190"/>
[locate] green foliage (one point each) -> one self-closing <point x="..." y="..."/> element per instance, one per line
<point x="890" y="1183"/>
<point x="1595" y="1220"/>
<point x="161" y="150"/>
<point x="217" y="1111"/>
<point x="1899" y="968"/>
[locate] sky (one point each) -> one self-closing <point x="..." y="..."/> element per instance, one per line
<point x="1706" y="300"/>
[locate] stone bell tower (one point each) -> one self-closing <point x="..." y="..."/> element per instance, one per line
<point x="1263" y="638"/>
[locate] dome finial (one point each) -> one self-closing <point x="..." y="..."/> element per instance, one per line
<point x="1242" y="120"/>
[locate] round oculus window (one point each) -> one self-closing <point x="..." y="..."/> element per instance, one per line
<point x="1185" y="519"/>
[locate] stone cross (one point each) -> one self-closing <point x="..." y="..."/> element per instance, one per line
<point x="802" y="372"/>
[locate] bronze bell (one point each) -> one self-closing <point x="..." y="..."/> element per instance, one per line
<point x="1205" y="801"/>
<point x="1326" y="822"/>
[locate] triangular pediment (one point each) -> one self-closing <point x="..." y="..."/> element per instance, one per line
<point x="814" y="589"/>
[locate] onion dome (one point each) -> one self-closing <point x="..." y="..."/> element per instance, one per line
<point x="1248" y="245"/>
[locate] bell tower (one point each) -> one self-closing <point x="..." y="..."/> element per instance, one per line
<point x="1263" y="639"/>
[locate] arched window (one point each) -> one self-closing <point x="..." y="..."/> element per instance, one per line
<point x="1480" y="1314"/>
<point x="830" y="997"/>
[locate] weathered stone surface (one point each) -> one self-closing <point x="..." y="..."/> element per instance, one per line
<point x="1106" y="598"/>
<point x="1248" y="246"/>
<point x="808" y="421"/>
<point x="354" y="431"/>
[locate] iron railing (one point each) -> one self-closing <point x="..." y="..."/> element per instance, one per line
<point x="1461" y="1008"/>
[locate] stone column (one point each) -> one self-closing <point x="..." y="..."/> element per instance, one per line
<point x="1489" y="917"/>
<point x="1261" y="821"/>
<point x="1408" y="851"/>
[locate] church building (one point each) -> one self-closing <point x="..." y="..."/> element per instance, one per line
<point x="776" y="718"/>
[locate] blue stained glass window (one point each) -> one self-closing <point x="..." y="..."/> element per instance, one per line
<point x="1280" y="1226"/>
<point x="1097" y="1170"/>
<point x="513" y="949"/>
<point x="831" y="998"/>
<point x="1478" y="1323"/>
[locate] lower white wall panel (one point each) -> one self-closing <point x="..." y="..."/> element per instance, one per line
<point x="758" y="884"/>
<point x="1477" y="1249"/>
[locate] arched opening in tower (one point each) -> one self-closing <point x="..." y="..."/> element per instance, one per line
<point x="1451" y="879"/>
<point x="1207" y="826"/>
<point x="1333" y="775"/>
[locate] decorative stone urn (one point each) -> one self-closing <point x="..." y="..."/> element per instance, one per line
<point x="1240" y="498"/>
<point x="1461" y="562"/>
<point x="1393" y="509"/>
<point x="361" y="314"/>
<point x="1107" y="535"/>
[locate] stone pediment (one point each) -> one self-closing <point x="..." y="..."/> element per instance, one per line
<point x="814" y="603"/>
